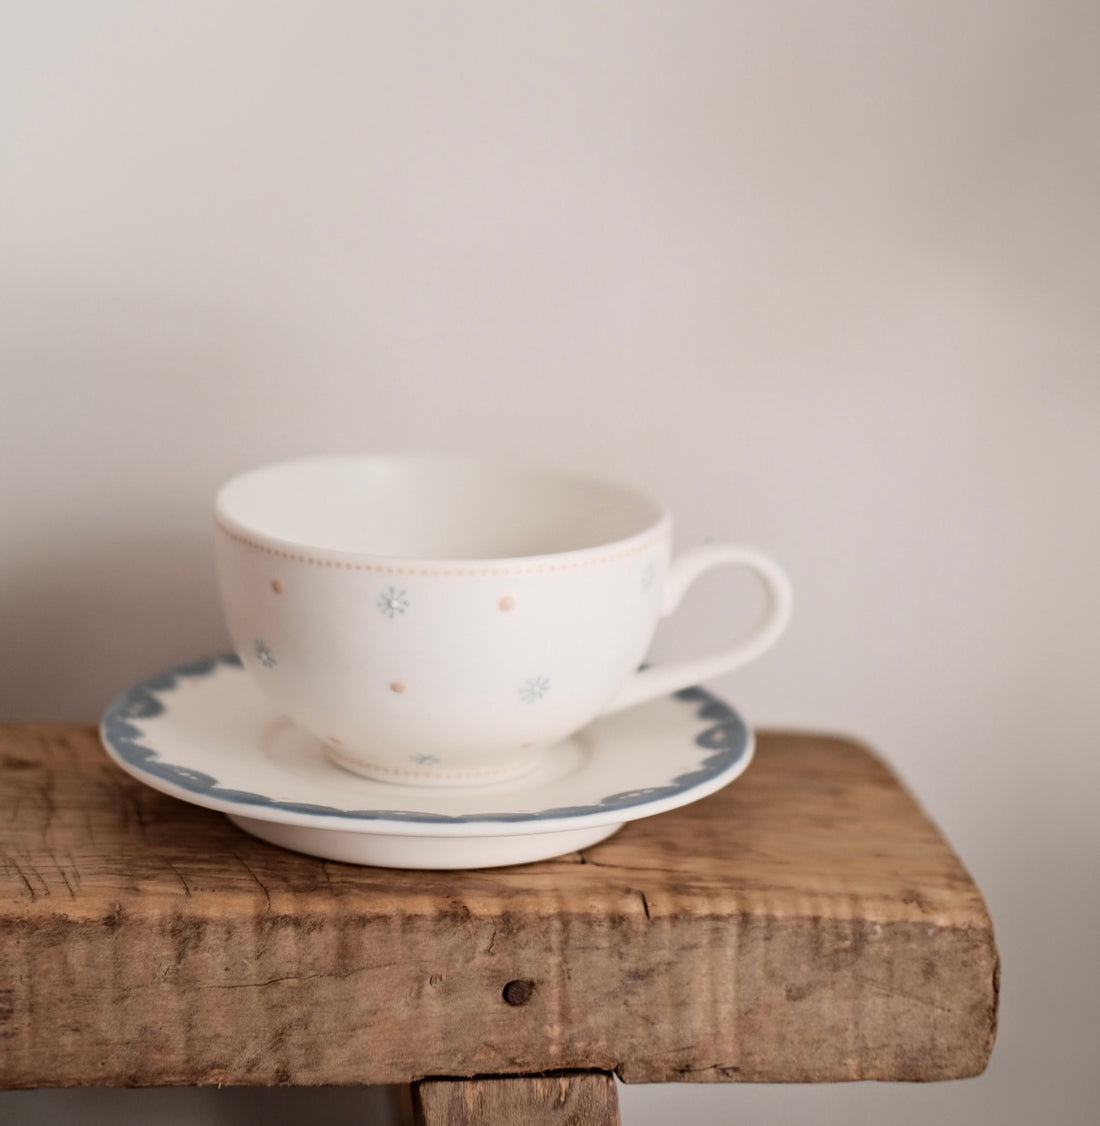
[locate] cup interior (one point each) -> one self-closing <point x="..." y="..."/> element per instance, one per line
<point x="432" y="508"/>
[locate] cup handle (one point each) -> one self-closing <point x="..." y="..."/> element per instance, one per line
<point x="660" y="680"/>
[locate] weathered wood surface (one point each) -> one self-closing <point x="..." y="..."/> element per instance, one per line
<point x="561" y="1100"/>
<point x="805" y="924"/>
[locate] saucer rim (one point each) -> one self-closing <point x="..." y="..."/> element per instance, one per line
<point x="119" y="735"/>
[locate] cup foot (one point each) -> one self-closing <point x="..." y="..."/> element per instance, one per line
<point x="429" y="774"/>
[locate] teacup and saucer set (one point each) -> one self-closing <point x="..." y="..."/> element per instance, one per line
<point x="437" y="665"/>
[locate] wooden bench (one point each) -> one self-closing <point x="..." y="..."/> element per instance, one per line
<point x="806" y="924"/>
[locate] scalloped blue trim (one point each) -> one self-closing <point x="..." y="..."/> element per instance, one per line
<point x="726" y="737"/>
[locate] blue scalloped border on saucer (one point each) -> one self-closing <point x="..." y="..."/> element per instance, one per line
<point x="726" y="737"/>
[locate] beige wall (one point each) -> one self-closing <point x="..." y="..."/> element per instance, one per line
<point x="825" y="276"/>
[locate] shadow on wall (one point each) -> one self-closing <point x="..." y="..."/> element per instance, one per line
<point x="203" y="1106"/>
<point x="87" y="619"/>
<point x="126" y="408"/>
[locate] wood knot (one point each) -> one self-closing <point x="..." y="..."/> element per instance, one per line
<point x="518" y="992"/>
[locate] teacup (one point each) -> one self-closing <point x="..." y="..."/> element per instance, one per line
<point x="445" y="621"/>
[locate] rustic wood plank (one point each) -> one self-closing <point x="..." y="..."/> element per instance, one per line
<point x="562" y="1100"/>
<point x="807" y="923"/>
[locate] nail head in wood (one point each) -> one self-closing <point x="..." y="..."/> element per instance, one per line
<point x="518" y="992"/>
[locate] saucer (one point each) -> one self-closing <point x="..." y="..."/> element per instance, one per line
<point x="204" y="733"/>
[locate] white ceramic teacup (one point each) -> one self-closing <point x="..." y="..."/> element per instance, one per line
<point x="445" y="620"/>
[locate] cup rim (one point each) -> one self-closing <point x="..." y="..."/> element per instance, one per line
<point x="656" y="530"/>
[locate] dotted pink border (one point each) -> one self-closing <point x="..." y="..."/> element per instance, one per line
<point x="464" y="572"/>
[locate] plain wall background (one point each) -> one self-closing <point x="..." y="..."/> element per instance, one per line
<point x="826" y="277"/>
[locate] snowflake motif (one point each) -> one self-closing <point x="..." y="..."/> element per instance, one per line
<point x="425" y="760"/>
<point x="392" y="602"/>
<point x="648" y="575"/>
<point x="264" y="654"/>
<point x="534" y="689"/>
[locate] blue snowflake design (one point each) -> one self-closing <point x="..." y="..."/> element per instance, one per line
<point x="425" y="760"/>
<point x="393" y="602"/>
<point x="264" y="654"/>
<point x="725" y="737"/>
<point x="534" y="689"/>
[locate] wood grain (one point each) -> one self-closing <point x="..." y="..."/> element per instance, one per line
<point x="563" y="1100"/>
<point x="807" y="923"/>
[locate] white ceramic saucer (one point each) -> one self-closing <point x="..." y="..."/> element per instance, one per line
<point x="204" y="733"/>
